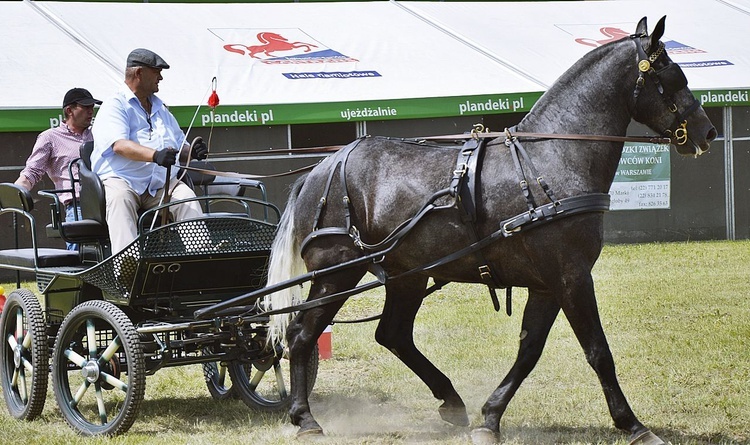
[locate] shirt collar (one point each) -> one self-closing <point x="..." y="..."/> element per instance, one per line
<point x="129" y="95"/>
<point x="65" y="127"/>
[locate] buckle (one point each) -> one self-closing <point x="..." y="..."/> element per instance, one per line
<point x="484" y="273"/>
<point x="460" y="170"/>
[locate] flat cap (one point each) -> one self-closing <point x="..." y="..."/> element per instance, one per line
<point x="144" y="57"/>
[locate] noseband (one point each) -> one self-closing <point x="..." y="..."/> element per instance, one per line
<point x="668" y="80"/>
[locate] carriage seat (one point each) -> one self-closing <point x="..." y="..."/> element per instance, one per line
<point x="92" y="228"/>
<point x="16" y="199"/>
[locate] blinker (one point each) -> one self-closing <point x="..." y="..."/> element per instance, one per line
<point x="672" y="78"/>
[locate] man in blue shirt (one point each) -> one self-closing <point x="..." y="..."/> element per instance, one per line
<point x="135" y="139"/>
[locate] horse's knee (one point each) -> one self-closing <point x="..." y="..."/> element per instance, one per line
<point x="387" y="338"/>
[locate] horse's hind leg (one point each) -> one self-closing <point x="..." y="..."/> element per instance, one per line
<point x="538" y="317"/>
<point x="303" y="333"/>
<point x="395" y="332"/>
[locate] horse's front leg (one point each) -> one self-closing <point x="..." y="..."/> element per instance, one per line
<point x="395" y="332"/>
<point x="538" y="317"/>
<point x="580" y="309"/>
<point x="302" y="335"/>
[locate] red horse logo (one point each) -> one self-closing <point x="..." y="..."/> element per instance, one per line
<point x="271" y="42"/>
<point x="611" y="33"/>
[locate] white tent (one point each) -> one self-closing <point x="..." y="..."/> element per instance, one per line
<point x="282" y="63"/>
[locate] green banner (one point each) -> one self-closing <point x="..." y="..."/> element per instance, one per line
<point x="310" y="113"/>
<point x="283" y="114"/>
<point x="643" y="162"/>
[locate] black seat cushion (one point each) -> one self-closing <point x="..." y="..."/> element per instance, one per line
<point x="48" y="257"/>
<point x="84" y="230"/>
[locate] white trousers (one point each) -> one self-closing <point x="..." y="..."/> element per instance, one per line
<point x="123" y="205"/>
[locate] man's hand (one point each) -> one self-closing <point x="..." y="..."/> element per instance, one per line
<point x="198" y="149"/>
<point x="166" y="157"/>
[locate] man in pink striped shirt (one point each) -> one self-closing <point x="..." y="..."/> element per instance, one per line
<point x="56" y="147"/>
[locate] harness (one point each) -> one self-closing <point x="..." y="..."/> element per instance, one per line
<point x="462" y="196"/>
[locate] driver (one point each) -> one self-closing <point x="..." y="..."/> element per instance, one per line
<point x="135" y="139"/>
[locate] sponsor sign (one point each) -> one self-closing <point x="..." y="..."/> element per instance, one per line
<point x="642" y="180"/>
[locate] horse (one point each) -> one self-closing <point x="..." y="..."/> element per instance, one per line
<point x="375" y="206"/>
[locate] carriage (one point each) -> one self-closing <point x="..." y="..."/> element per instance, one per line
<point x="102" y="322"/>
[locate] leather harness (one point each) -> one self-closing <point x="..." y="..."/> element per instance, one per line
<point x="463" y="188"/>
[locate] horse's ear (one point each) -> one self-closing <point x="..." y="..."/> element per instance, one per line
<point x="641" y="29"/>
<point x="657" y="34"/>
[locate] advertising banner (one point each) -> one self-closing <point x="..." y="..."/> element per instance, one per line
<point x="642" y="180"/>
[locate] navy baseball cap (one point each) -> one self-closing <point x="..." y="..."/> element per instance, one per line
<point x="79" y="96"/>
<point x="144" y="57"/>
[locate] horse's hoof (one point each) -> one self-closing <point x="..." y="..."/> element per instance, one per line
<point x="310" y="434"/>
<point x="646" y="438"/>
<point x="483" y="436"/>
<point x="455" y="416"/>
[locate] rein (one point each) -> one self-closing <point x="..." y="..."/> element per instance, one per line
<point x="248" y="176"/>
<point x="448" y="137"/>
<point x="571" y="137"/>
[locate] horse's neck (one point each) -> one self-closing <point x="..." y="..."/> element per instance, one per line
<point x="589" y="98"/>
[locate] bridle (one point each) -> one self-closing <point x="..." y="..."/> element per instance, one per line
<point x="668" y="80"/>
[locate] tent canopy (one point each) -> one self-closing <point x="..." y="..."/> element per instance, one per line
<point x="281" y="63"/>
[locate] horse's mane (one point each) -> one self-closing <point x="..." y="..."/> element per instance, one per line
<point x="576" y="87"/>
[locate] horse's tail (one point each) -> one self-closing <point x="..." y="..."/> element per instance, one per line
<point x="285" y="263"/>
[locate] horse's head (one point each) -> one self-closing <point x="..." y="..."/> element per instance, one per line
<point x="662" y="99"/>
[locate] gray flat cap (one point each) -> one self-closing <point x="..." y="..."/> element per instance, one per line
<point x="144" y="57"/>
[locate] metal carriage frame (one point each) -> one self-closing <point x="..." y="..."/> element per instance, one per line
<point x="101" y="324"/>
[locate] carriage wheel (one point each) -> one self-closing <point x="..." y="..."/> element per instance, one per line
<point x="263" y="384"/>
<point x="217" y="380"/>
<point x="98" y="369"/>
<point x="25" y="355"/>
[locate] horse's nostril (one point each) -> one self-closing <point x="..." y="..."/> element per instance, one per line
<point x="712" y="134"/>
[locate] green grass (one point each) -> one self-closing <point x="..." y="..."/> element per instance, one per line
<point x="677" y="317"/>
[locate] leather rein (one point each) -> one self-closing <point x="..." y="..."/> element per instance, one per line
<point x="477" y="133"/>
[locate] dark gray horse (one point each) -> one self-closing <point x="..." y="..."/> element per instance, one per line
<point x="371" y="195"/>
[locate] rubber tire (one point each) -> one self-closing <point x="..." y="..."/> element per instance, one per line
<point x="242" y="374"/>
<point x="23" y="304"/>
<point x="108" y="322"/>
<point x="218" y="381"/>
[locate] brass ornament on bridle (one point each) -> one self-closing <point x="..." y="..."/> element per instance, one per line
<point x="681" y="134"/>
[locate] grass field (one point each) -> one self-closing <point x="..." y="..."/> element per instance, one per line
<point x="677" y="318"/>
